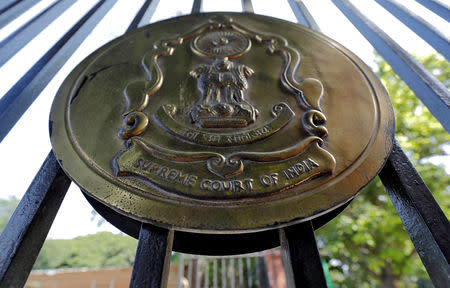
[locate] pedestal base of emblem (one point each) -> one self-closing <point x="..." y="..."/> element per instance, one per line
<point x="281" y="114"/>
<point x="210" y="244"/>
<point x="223" y="115"/>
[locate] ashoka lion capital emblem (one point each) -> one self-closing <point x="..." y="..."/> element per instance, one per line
<point x="223" y="85"/>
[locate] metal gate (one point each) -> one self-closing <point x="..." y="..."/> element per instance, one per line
<point x="25" y="233"/>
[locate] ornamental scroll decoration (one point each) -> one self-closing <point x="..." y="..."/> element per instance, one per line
<point x="222" y="83"/>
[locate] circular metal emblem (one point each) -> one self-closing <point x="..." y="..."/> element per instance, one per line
<point x="222" y="123"/>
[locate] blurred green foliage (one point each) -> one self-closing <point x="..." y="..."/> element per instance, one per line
<point x="7" y="207"/>
<point x="367" y="246"/>
<point x="102" y="249"/>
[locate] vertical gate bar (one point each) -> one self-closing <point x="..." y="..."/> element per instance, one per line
<point x="215" y="284"/>
<point x="438" y="8"/>
<point x="249" y="272"/>
<point x="144" y="14"/>
<point x="418" y="25"/>
<point x="21" y="37"/>
<point x="198" y="272"/>
<point x="151" y="265"/>
<point x="241" y="272"/>
<point x="17" y="100"/>
<point x="298" y="246"/>
<point x="28" y="227"/>
<point x="430" y="90"/>
<point x="257" y="271"/>
<point x="302" y="14"/>
<point x="247" y="6"/>
<point x="224" y="272"/>
<point x="180" y="271"/>
<point x="190" y="268"/>
<point x="286" y="260"/>
<point x="196" y="6"/>
<point x="14" y="10"/>
<point x="206" y="283"/>
<point x="232" y="274"/>
<point x="422" y="217"/>
<point x="262" y="273"/>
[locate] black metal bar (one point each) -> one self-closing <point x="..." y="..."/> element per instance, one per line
<point x="299" y="248"/>
<point x="422" y="217"/>
<point x="8" y="4"/>
<point x="151" y="265"/>
<point x="17" y="40"/>
<point x="14" y="10"/>
<point x="248" y="266"/>
<point x="144" y="14"/>
<point x="247" y="6"/>
<point x="28" y="227"/>
<point x="418" y="25"/>
<point x="17" y="100"/>
<point x="196" y="6"/>
<point x="262" y="273"/>
<point x="302" y="14"/>
<point x="430" y="90"/>
<point x="439" y="8"/>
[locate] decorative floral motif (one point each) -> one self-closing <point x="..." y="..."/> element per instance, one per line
<point x="220" y="44"/>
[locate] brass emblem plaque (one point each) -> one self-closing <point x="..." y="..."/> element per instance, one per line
<point x="222" y="122"/>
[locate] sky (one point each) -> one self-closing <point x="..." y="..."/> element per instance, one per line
<point x="24" y="149"/>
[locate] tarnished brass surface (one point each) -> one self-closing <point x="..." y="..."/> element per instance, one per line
<point x="222" y="123"/>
